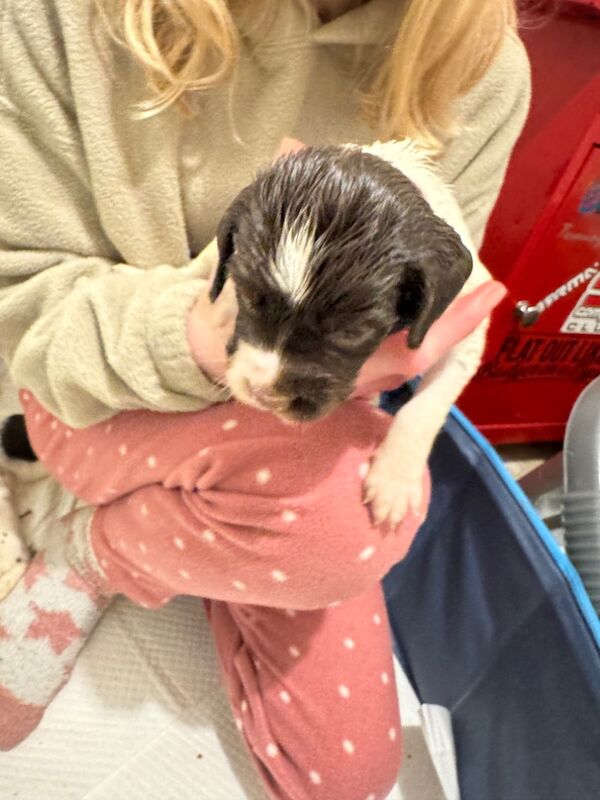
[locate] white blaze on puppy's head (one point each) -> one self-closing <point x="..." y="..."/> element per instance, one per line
<point x="295" y="252"/>
<point x="253" y="371"/>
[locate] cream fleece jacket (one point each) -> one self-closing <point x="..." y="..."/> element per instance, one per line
<point x="100" y="214"/>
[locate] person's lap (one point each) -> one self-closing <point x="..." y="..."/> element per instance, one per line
<point x="263" y="516"/>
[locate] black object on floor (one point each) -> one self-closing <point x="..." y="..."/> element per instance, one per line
<point x="14" y="439"/>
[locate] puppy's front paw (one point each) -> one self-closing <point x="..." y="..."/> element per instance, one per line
<point x="392" y="489"/>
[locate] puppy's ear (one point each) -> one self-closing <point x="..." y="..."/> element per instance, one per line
<point x="226" y="245"/>
<point x="226" y="233"/>
<point x="431" y="282"/>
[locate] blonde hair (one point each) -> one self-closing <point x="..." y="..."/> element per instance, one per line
<point x="440" y="51"/>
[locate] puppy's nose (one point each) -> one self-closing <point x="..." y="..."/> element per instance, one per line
<point x="304" y="407"/>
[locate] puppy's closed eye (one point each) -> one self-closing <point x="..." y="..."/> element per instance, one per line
<point x="353" y="340"/>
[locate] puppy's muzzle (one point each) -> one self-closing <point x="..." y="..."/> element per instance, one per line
<point x="263" y="379"/>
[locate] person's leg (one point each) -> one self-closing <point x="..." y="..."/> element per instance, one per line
<point x="314" y="696"/>
<point x="233" y="505"/>
<point x="229" y="503"/>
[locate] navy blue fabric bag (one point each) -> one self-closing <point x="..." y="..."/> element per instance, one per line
<point x="491" y="620"/>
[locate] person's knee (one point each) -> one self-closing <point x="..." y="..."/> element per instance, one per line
<point x="345" y="560"/>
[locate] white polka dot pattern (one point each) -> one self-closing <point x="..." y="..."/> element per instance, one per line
<point x="272" y="750"/>
<point x="367" y="553"/>
<point x="263" y="476"/>
<point x="348" y="746"/>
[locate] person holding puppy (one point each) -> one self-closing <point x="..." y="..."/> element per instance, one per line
<point x="102" y="215"/>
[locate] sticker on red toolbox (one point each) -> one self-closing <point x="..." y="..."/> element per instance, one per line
<point x="585" y="317"/>
<point x="544" y="357"/>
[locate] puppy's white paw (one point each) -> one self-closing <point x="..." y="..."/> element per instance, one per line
<point x="393" y="489"/>
<point x="13" y="553"/>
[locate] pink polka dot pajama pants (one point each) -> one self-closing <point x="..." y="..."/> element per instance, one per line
<point x="266" y="522"/>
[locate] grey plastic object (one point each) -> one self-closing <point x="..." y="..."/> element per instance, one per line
<point x="581" y="501"/>
<point x="544" y="487"/>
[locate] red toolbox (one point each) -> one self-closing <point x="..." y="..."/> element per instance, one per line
<point x="544" y="241"/>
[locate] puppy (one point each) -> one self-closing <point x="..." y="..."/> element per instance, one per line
<point x="331" y="250"/>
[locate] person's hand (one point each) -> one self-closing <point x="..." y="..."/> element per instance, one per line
<point x="394" y="362"/>
<point x="209" y="328"/>
<point x="211" y="325"/>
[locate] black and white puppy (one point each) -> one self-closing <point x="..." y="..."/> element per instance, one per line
<point x="330" y="250"/>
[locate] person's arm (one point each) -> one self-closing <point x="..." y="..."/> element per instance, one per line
<point x="493" y="113"/>
<point x="87" y="335"/>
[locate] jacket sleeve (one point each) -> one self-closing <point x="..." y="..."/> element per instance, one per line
<point x="87" y="335"/>
<point x="492" y="114"/>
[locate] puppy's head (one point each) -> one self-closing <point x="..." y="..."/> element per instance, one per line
<point x="330" y="251"/>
